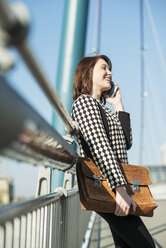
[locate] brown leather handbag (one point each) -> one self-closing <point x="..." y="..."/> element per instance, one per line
<point x="94" y="190"/>
<point x="96" y="195"/>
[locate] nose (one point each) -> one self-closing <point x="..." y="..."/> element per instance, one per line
<point x="109" y="72"/>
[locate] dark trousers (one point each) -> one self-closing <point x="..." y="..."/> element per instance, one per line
<point x="128" y="231"/>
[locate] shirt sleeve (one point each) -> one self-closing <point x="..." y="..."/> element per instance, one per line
<point x="124" y="118"/>
<point x="86" y="113"/>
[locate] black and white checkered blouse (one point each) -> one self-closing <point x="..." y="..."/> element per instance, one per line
<point x="106" y="151"/>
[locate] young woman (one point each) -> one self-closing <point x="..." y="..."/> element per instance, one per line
<point x="92" y="78"/>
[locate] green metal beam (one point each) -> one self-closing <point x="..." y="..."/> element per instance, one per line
<point x="71" y="51"/>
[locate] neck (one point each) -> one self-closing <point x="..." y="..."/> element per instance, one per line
<point x="96" y="94"/>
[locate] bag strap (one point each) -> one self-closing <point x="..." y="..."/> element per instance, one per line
<point x="125" y="122"/>
<point x="105" y="122"/>
<point x="104" y="118"/>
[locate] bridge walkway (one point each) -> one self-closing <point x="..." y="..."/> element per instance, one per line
<point x="102" y="238"/>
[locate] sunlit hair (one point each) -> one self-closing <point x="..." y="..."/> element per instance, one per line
<point x="82" y="83"/>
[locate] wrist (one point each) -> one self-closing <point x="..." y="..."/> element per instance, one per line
<point x="121" y="188"/>
<point x="118" y="107"/>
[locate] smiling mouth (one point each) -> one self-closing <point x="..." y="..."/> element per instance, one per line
<point x="108" y="79"/>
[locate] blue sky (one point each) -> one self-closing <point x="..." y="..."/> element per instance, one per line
<point x="120" y="40"/>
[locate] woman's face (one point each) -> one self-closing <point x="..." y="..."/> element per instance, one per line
<point x="102" y="76"/>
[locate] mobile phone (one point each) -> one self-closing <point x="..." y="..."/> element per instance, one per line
<point x="111" y="92"/>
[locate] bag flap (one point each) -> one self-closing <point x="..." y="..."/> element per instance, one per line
<point x="89" y="169"/>
<point x="136" y="173"/>
<point x="133" y="173"/>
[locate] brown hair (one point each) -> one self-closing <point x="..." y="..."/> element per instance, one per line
<point x="82" y="83"/>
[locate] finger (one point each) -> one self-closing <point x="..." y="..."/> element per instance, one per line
<point x="127" y="210"/>
<point x="120" y="213"/>
<point x="115" y="84"/>
<point x="134" y="205"/>
<point x="118" y="210"/>
<point x="118" y="90"/>
<point x="105" y="95"/>
<point x="124" y="210"/>
<point x="123" y="213"/>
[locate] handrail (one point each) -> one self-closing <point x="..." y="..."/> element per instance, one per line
<point x="17" y="32"/>
<point x="31" y="139"/>
<point x="42" y="222"/>
<point x="25" y="206"/>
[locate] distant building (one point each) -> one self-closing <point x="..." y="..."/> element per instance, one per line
<point x="6" y="190"/>
<point x="163" y="154"/>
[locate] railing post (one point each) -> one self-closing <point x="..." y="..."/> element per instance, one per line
<point x="44" y="181"/>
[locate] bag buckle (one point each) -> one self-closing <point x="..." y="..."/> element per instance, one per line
<point x="97" y="180"/>
<point x="136" y="186"/>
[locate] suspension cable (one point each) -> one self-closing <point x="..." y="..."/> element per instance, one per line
<point x="142" y="82"/>
<point x="156" y="38"/>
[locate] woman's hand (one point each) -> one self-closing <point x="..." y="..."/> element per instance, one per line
<point x="123" y="202"/>
<point x="115" y="101"/>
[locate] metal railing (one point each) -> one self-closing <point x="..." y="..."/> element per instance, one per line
<point x="17" y="31"/>
<point x="27" y="137"/>
<point x="53" y="220"/>
<point x="30" y="138"/>
<point x="50" y="221"/>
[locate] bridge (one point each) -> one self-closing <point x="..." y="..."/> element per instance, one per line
<point x="53" y="217"/>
